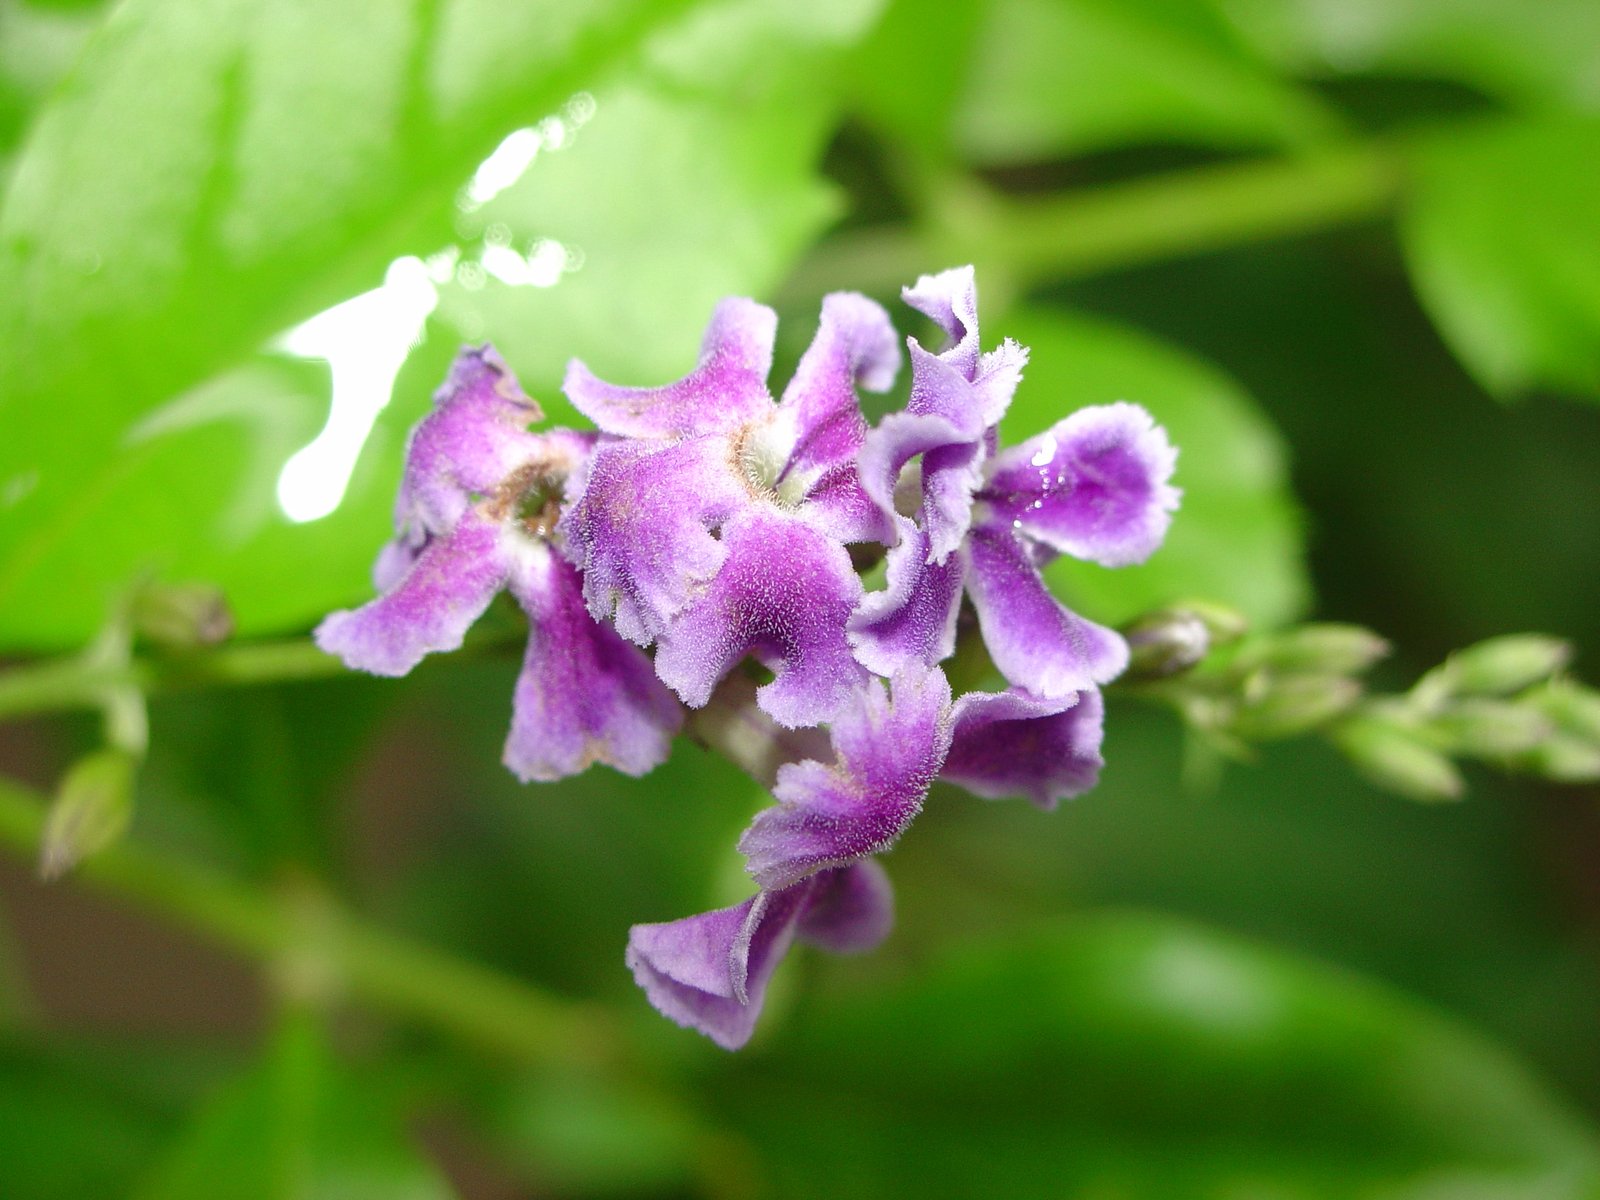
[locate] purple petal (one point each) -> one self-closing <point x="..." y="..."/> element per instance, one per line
<point x="641" y="528"/>
<point x="1094" y="486"/>
<point x="1036" y="642"/>
<point x="475" y="436"/>
<point x="896" y="440"/>
<point x="855" y="343"/>
<point x="784" y="595"/>
<point x="727" y="387"/>
<point x="886" y="752"/>
<point x="1016" y="744"/>
<point x="432" y="606"/>
<point x="913" y="621"/>
<point x="584" y="695"/>
<point x="851" y="910"/>
<point x="950" y="300"/>
<point x="709" y="972"/>
<point x="839" y="506"/>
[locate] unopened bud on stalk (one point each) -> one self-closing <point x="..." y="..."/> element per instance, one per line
<point x="1563" y="759"/>
<point x="1293" y="705"/>
<point x="91" y="810"/>
<point x="1320" y="649"/>
<point x="1165" y="643"/>
<point x="1396" y="760"/>
<point x="1574" y="708"/>
<point x="1492" y="729"/>
<point x="1499" y="666"/>
<point x="182" y="616"/>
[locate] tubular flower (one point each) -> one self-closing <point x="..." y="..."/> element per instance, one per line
<point x="475" y="516"/>
<point x="712" y="523"/>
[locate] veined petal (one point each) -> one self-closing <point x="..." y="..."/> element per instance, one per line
<point x="950" y="300"/>
<point x="584" y="695"/>
<point x="1037" y="643"/>
<point x="430" y="609"/>
<point x="912" y="621"/>
<point x="886" y="754"/>
<point x="642" y="528"/>
<point x="1094" y="486"/>
<point x="855" y="344"/>
<point x="1016" y="744"/>
<point x="727" y="387"/>
<point x="475" y="436"/>
<point x="783" y="594"/>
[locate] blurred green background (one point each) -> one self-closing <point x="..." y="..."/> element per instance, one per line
<point x="1347" y="250"/>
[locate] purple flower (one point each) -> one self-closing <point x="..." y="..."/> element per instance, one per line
<point x="475" y="514"/>
<point x="709" y="972"/>
<point x="715" y="524"/>
<point x="1095" y="486"/>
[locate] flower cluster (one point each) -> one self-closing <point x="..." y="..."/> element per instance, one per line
<point x="703" y="524"/>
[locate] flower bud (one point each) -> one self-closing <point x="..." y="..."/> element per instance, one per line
<point x="1492" y="729"/>
<point x="182" y="615"/>
<point x="1563" y="759"/>
<point x="1396" y="760"/>
<point x="1165" y="643"/>
<point x="1284" y="707"/>
<point x="91" y="810"/>
<point x="1573" y="707"/>
<point x="1499" y="666"/>
<point x="1320" y="649"/>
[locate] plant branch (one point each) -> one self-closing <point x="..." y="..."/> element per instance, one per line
<point x="308" y="930"/>
<point x="1029" y="241"/>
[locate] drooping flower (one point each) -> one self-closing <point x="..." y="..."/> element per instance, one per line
<point x="715" y="525"/>
<point x="476" y="514"/>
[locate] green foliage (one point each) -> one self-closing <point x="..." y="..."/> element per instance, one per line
<point x="297" y="1126"/>
<point x="1130" y="1055"/>
<point x="1054" y="77"/>
<point x="1503" y="238"/>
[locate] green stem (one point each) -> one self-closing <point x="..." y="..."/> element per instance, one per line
<point x="389" y="972"/>
<point x="1030" y="241"/>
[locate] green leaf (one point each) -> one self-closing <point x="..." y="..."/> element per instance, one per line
<point x="209" y="245"/>
<point x="909" y="75"/>
<point x="1236" y="538"/>
<point x="1136" y="1056"/>
<point x="1502" y="235"/>
<point x="295" y="1128"/>
<point x="1057" y="77"/>
<point x="1542" y="56"/>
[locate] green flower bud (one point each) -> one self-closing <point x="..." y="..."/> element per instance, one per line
<point x="1165" y="643"/>
<point x="1563" y="759"/>
<point x="182" y="616"/>
<point x="1492" y="729"/>
<point x="1283" y="707"/>
<point x="1499" y="666"/>
<point x="1573" y="707"/>
<point x="91" y="810"/>
<point x="1394" y="759"/>
<point x="1320" y="649"/>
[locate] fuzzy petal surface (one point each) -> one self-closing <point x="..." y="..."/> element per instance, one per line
<point x="584" y="694"/>
<point x="1037" y="643"/>
<point x="431" y="608"/>
<point x="855" y="345"/>
<point x="475" y="436"/>
<point x="641" y="529"/>
<point x="1094" y="486"/>
<point x="887" y="750"/>
<point x="783" y="594"/>
<point x="709" y="972"/>
<point x="851" y="910"/>
<point x="727" y="387"/>
<point x="1016" y="744"/>
<point x="913" y="620"/>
